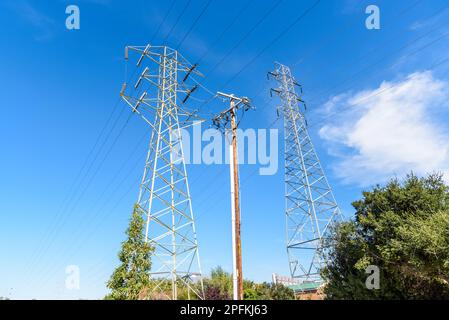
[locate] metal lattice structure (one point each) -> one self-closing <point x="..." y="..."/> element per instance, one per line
<point x="310" y="204"/>
<point x="164" y="197"/>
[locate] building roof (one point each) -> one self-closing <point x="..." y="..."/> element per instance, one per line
<point x="305" y="286"/>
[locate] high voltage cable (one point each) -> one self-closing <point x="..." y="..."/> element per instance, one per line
<point x="282" y="33"/>
<point x="247" y="34"/>
<point x="93" y="176"/>
<point x="179" y="17"/>
<point x="276" y="39"/>
<point x="172" y="5"/>
<point x="169" y="33"/>
<point x="438" y="12"/>
<point x="241" y="41"/>
<point x="92" y="217"/>
<point x="183" y="11"/>
<point x="347" y="27"/>
<point x="214" y="204"/>
<point x="216" y="41"/>
<point x="61" y="221"/>
<point x="380" y="92"/>
<point x="225" y="31"/>
<point x="98" y="224"/>
<point x="272" y="42"/>
<point x="72" y="192"/>
<point x="246" y="179"/>
<point x="426" y="46"/>
<point x="69" y="211"/>
<point x="361" y="57"/>
<point x="352" y="77"/>
<point x="98" y="139"/>
<point x="193" y="25"/>
<point x="53" y="228"/>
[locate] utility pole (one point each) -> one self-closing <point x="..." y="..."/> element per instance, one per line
<point x="221" y="121"/>
<point x="310" y="206"/>
<point x="159" y="95"/>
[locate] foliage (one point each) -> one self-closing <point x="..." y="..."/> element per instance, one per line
<point x="215" y="293"/>
<point x="219" y="287"/>
<point x="280" y="292"/>
<point x="268" y="291"/>
<point x="131" y="276"/>
<point x="404" y="230"/>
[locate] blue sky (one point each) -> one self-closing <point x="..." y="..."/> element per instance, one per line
<point x="376" y="101"/>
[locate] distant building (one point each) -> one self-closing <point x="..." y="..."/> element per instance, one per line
<point x="308" y="290"/>
<point x="303" y="290"/>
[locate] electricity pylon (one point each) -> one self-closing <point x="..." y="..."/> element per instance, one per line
<point x="164" y="197"/>
<point x="310" y="205"/>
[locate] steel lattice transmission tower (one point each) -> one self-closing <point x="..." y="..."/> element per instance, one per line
<point x="310" y="204"/>
<point x="164" y="197"/>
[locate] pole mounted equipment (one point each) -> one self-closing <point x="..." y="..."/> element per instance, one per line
<point x="221" y="121"/>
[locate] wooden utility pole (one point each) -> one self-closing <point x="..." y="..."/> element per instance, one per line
<point x="230" y="115"/>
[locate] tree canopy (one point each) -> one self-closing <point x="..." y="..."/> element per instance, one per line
<point x="219" y="287"/>
<point x="403" y="229"/>
<point x="132" y="276"/>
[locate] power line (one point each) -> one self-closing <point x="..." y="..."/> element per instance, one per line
<point x="41" y="250"/>
<point x="247" y="34"/>
<point x="183" y="11"/>
<point x="172" y="5"/>
<point x="348" y="26"/>
<point x="358" y="73"/>
<point x="60" y="221"/>
<point x="91" y="217"/>
<point x="225" y="31"/>
<point x="235" y="76"/>
<point x="241" y="41"/>
<point x="52" y="230"/>
<point x="247" y="178"/>
<point x="194" y="24"/>
<point x="282" y="33"/>
<point x="277" y="38"/>
<point x="271" y="43"/>
<point x="380" y="92"/>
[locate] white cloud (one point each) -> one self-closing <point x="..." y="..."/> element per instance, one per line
<point x="392" y="130"/>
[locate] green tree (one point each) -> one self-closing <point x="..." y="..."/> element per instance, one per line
<point x="271" y="291"/>
<point x="131" y="277"/>
<point x="219" y="285"/>
<point x="403" y="229"/>
<point x="281" y="292"/>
